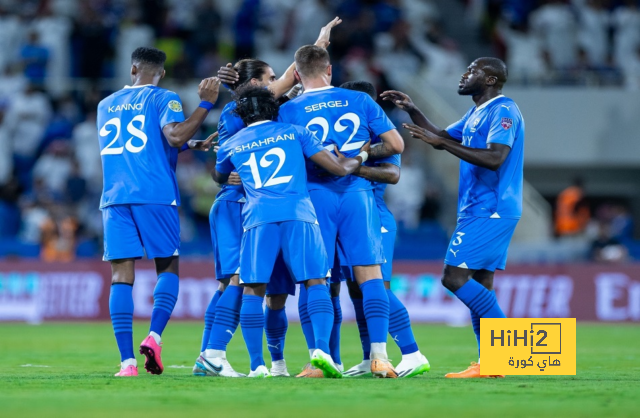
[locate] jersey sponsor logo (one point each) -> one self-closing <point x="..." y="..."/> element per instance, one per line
<point x="126" y="106"/>
<point x="475" y="123"/>
<point x="265" y="142"/>
<point x="506" y="123"/>
<point x="506" y="107"/>
<point x="175" y="105"/>
<point x="325" y="105"/>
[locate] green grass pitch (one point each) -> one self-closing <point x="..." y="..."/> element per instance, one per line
<point x="82" y="358"/>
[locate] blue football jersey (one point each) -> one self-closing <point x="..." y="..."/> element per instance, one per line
<point x="229" y="125"/>
<point x="138" y="164"/>
<point x="386" y="217"/>
<point x="338" y="117"/>
<point x="486" y="193"/>
<point x="270" y="159"/>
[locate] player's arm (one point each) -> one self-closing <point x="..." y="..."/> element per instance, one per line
<point x="491" y="157"/>
<point x="340" y="165"/>
<point x="404" y="102"/>
<point x="382" y="173"/>
<point x="279" y="87"/>
<point x="178" y="134"/>
<point x="392" y="143"/>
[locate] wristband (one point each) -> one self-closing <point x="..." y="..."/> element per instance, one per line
<point x="206" y="105"/>
<point x="364" y="155"/>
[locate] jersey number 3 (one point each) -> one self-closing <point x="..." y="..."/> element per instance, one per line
<point x="273" y="180"/>
<point x="137" y="132"/>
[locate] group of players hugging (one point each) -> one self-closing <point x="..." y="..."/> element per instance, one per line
<point x="302" y="177"/>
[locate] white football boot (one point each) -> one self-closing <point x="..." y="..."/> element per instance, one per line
<point x="279" y="369"/>
<point x="413" y="364"/>
<point x="360" y="370"/>
<point x="217" y="366"/>
<point x="261" y="372"/>
<point x="324" y="362"/>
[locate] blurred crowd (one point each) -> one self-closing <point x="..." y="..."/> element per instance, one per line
<point x="572" y="42"/>
<point x="61" y="57"/>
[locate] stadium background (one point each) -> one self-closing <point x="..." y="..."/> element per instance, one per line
<point x="574" y="72"/>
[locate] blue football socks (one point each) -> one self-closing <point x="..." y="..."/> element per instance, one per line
<point x="305" y="321"/>
<point x="334" y="341"/>
<point x="321" y="314"/>
<point x="479" y="300"/>
<point x="165" y="296"/>
<point x="475" y="322"/>
<point x="376" y="309"/>
<point x="362" y="328"/>
<point x="275" y="326"/>
<point x="400" y="325"/>
<point x="226" y="319"/>
<point x="252" y="322"/>
<point x="209" y="316"/>
<point x="121" y="309"/>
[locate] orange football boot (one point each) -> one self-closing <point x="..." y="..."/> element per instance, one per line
<point x="383" y="368"/>
<point x="311" y="372"/>
<point x="472" y="372"/>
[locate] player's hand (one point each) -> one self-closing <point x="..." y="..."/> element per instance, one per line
<point x="325" y="33"/>
<point x="203" y="145"/>
<point x="400" y="99"/>
<point x="234" y="179"/>
<point x="228" y="75"/>
<point x="208" y="89"/>
<point x="424" y="135"/>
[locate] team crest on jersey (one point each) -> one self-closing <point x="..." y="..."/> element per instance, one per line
<point x="506" y="123"/>
<point x="175" y="106"/>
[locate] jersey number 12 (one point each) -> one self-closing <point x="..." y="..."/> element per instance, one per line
<point x="273" y="180"/>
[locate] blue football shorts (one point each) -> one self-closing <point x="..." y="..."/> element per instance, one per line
<point x="480" y="243"/>
<point x="300" y="244"/>
<point x="352" y="219"/>
<point x="225" y="221"/>
<point x="388" y="245"/>
<point x="131" y="230"/>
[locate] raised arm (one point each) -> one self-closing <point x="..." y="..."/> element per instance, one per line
<point x="404" y="102"/>
<point x="178" y="134"/>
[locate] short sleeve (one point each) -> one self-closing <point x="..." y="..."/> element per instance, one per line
<point x="283" y="113"/>
<point x="378" y="121"/>
<point x="169" y="109"/>
<point x="309" y="142"/>
<point x="504" y="121"/>
<point x="456" y="128"/>
<point x="223" y="161"/>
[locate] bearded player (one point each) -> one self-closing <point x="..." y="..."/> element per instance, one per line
<point x="489" y="140"/>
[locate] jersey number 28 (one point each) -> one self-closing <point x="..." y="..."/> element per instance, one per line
<point x="111" y="149"/>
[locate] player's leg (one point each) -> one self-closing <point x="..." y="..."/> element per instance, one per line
<point x="485" y="278"/>
<point x="276" y="325"/>
<point x="413" y="362"/>
<point x="259" y="252"/>
<point x="334" y="289"/>
<point x="121" y="246"/>
<point x="478" y="244"/>
<point x="252" y="323"/>
<point x="226" y="236"/>
<point x="121" y="311"/>
<point x="326" y="206"/>
<point x="159" y="229"/>
<point x="304" y="253"/>
<point x="362" y="369"/>
<point x="359" y="233"/>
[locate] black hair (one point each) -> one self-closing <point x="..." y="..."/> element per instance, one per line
<point x="149" y="59"/>
<point x="495" y="67"/>
<point x="254" y="104"/>
<point x="247" y="69"/>
<point x="363" y="86"/>
<point x="311" y="60"/>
